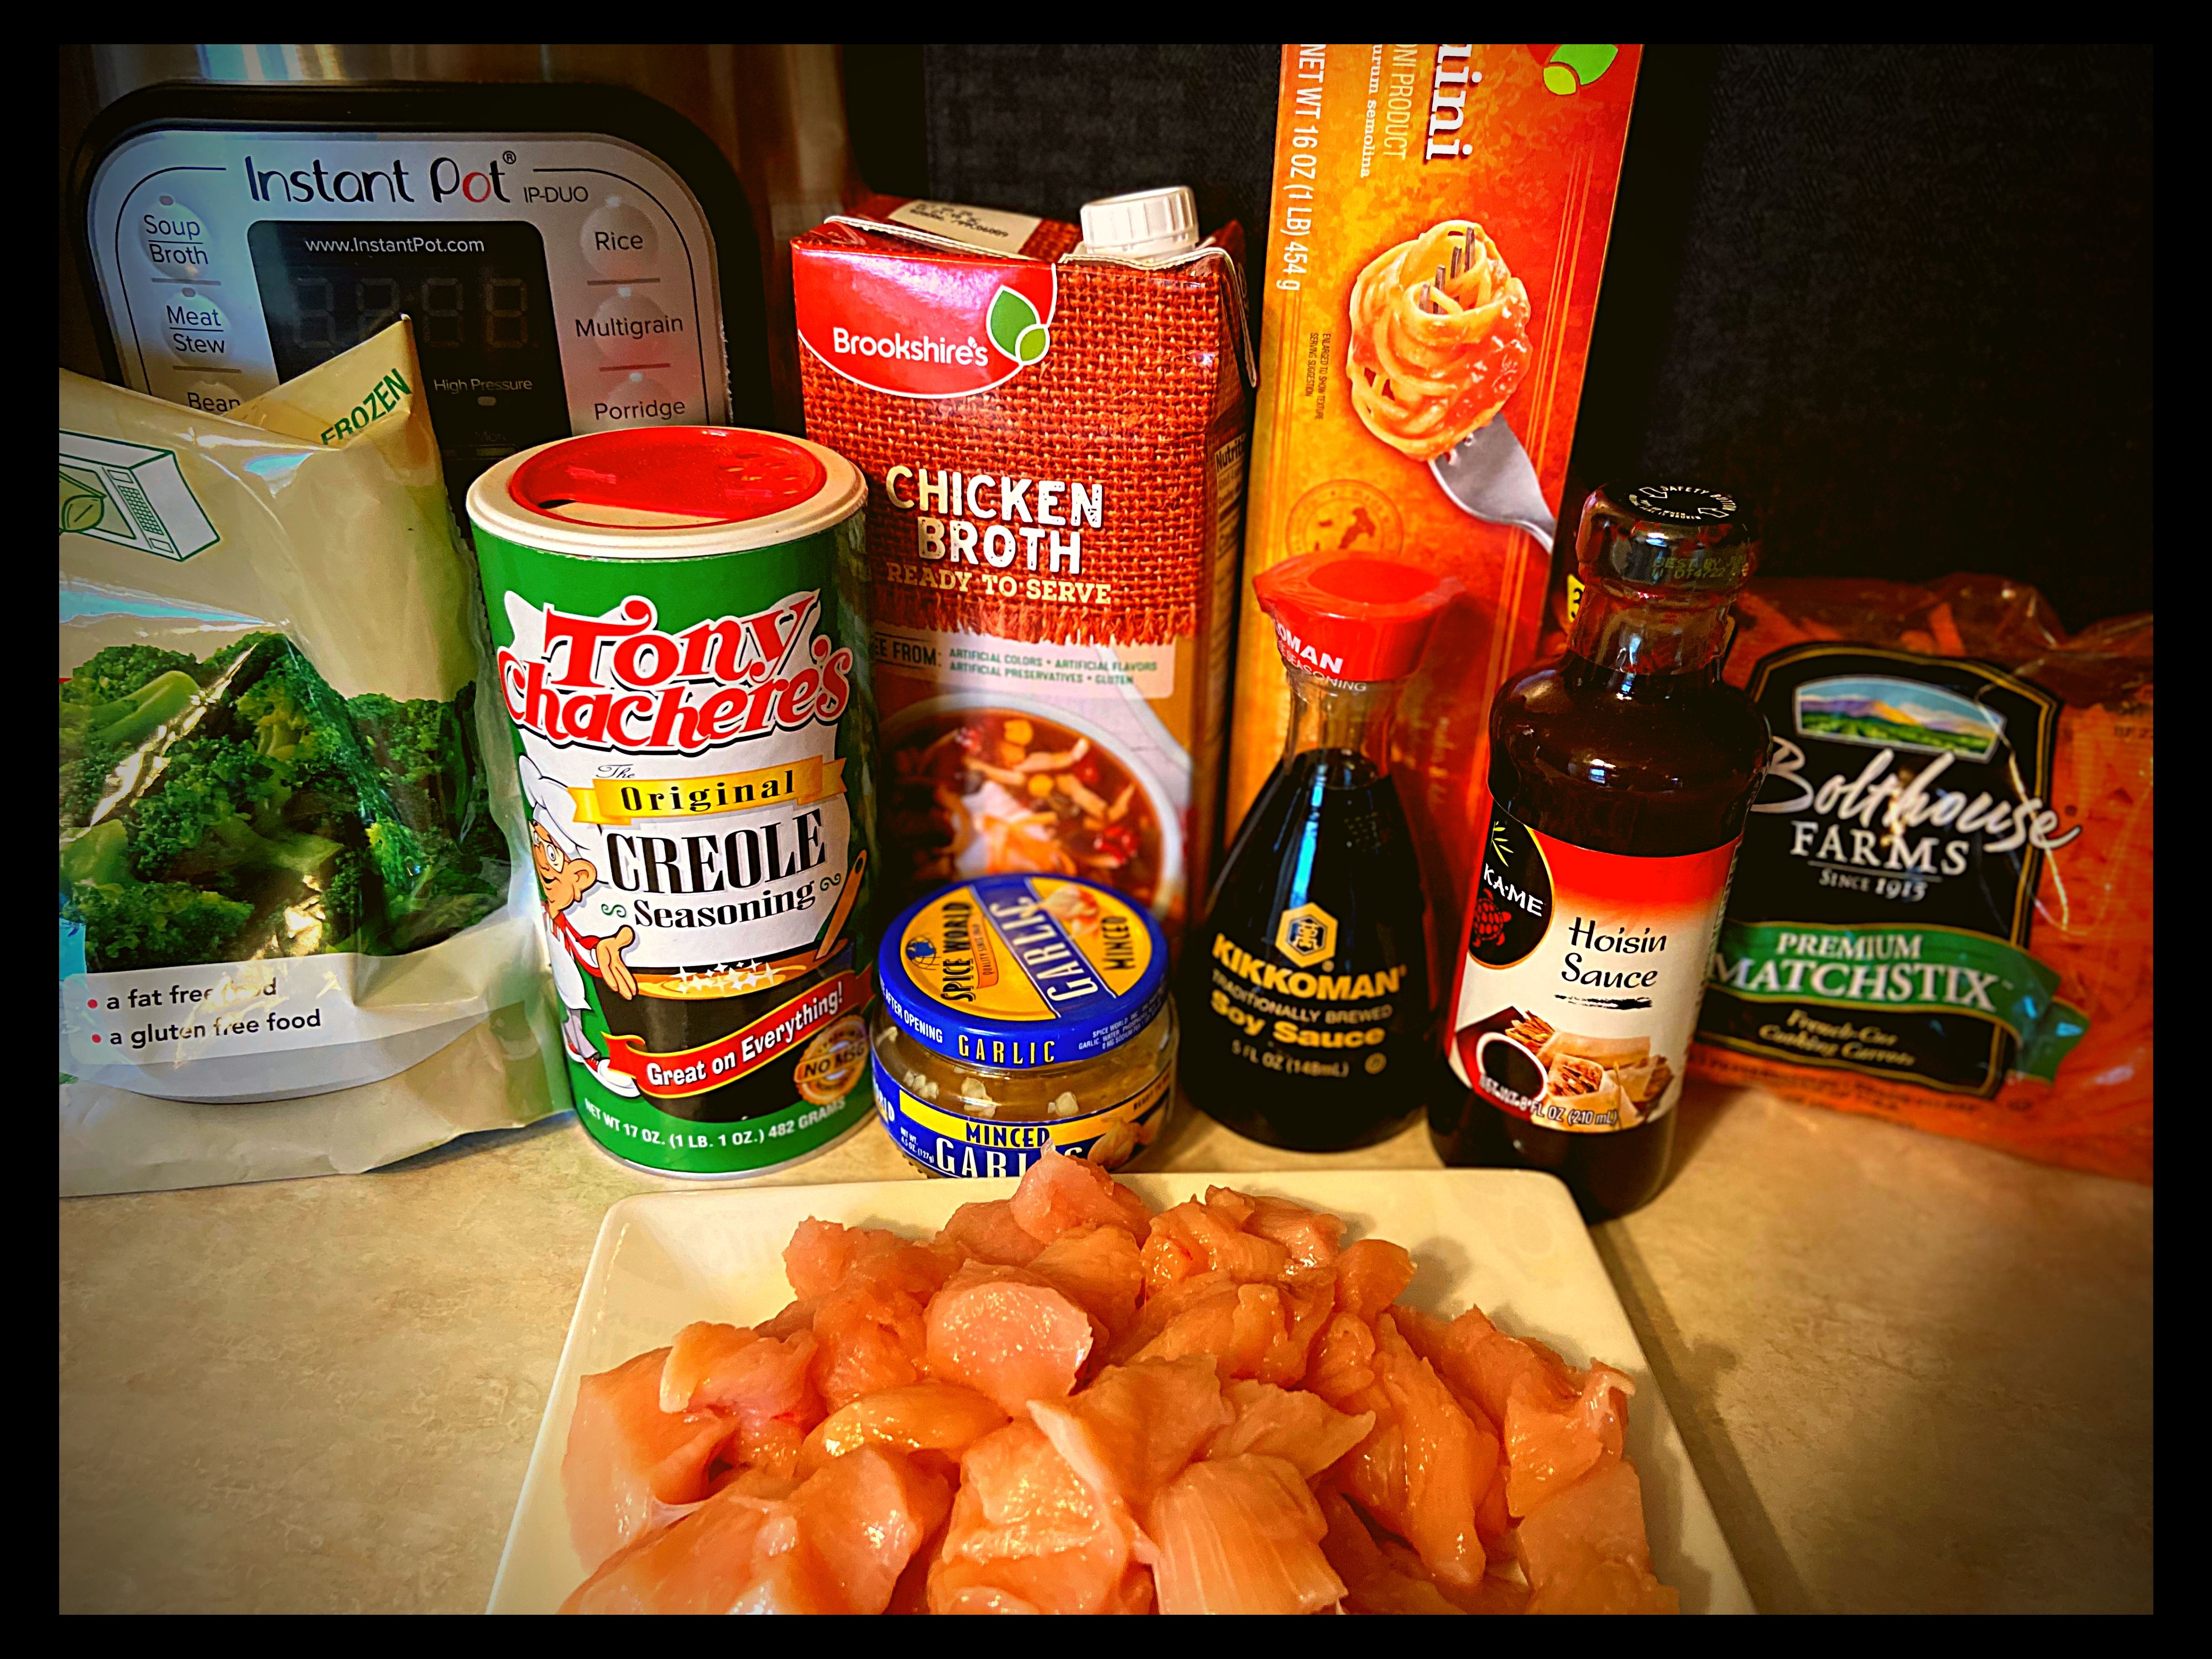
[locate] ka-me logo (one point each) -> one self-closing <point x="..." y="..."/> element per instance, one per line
<point x="919" y="325"/>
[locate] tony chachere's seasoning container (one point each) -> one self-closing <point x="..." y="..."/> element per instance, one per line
<point x="1021" y="1012"/>
<point x="681" y="640"/>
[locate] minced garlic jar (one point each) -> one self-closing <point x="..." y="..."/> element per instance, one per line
<point x="1020" y="1012"/>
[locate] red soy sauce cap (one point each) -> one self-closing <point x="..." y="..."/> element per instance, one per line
<point x="1347" y="617"/>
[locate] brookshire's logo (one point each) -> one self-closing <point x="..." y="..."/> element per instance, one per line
<point x="924" y="327"/>
<point x="617" y="681"/>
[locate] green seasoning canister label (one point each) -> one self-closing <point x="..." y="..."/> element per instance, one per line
<point x="690" y="733"/>
<point x="1883" y="909"/>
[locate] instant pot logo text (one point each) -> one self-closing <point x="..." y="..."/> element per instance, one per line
<point x="618" y="682"/>
<point x="445" y="180"/>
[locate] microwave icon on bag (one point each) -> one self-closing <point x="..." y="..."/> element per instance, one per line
<point x="132" y="495"/>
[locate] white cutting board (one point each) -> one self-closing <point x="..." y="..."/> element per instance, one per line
<point x="1508" y="1240"/>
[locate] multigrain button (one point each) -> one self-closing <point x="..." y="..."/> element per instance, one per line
<point x="174" y="237"/>
<point x="634" y="333"/>
<point x="619" y="241"/>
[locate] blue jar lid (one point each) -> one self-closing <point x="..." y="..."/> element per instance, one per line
<point x="1014" y="971"/>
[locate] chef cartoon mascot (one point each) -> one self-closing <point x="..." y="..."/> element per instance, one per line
<point x="565" y="875"/>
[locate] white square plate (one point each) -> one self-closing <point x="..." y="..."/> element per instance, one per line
<point x="1507" y="1240"/>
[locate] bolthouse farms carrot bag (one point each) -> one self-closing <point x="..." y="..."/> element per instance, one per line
<point x="1054" y="441"/>
<point x="1942" y="907"/>
<point x="295" y="934"/>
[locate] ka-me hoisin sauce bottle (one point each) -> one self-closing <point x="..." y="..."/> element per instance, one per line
<point x="1308" y="1002"/>
<point x="1619" y="777"/>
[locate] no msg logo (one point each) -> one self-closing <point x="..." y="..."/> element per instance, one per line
<point x="1513" y="907"/>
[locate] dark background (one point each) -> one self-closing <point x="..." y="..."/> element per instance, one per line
<point x="1899" y="297"/>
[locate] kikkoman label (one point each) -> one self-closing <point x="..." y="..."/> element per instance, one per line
<point x="686" y="730"/>
<point x="1885" y="902"/>
<point x="1583" y="969"/>
<point x="1298" y="1003"/>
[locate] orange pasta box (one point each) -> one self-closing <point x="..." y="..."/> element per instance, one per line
<point x="1438" y="227"/>
<point x="1051" y="422"/>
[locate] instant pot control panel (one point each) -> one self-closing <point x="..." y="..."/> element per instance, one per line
<point x="557" y="281"/>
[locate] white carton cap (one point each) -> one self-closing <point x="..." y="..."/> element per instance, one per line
<point x="1142" y="222"/>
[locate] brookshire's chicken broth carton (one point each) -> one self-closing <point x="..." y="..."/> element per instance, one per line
<point x="1438" y="225"/>
<point x="1053" y="438"/>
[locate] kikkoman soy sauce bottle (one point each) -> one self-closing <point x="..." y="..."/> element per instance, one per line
<point x="1619" y="777"/>
<point x="1308" y="1003"/>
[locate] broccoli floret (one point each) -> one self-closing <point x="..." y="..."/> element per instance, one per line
<point x="432" y="887"/>
<point x="129" y="720"/>
<point x="345" y="903"/>
<point x="154" y="923"/>
<point x="294" y="714"/>
<point x="219" y="667"/>
<point x="420" y="749"/>
<point x="296" y="721"/>
<point x="95" y="737"/>
<point x="202" y="813"/>
<point x="218" y="808"/>
<point x="120" y="669"/>
<point x="96" y="740"/>
<point x="397" y="853"/>
<point x="101" y="853"/>
<point x="84" y="779"/>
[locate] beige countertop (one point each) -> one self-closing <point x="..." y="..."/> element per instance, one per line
<point x="1912" y="1374"/>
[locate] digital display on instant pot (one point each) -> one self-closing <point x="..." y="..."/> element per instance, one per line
<point x="481" y="306"/>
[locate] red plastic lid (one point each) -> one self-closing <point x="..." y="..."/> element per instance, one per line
<point x="1350" y="617"/>
<point x="687" y="476"/>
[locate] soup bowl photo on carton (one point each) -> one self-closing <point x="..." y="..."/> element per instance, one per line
<point x="959" y="708"/>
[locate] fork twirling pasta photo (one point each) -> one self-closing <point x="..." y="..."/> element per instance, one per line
<point x="1439" y="339"/>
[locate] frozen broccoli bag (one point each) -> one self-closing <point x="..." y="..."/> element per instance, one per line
<point x="296" y="932"/>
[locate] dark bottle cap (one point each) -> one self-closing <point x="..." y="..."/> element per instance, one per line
<point x="1666" y="535"/>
